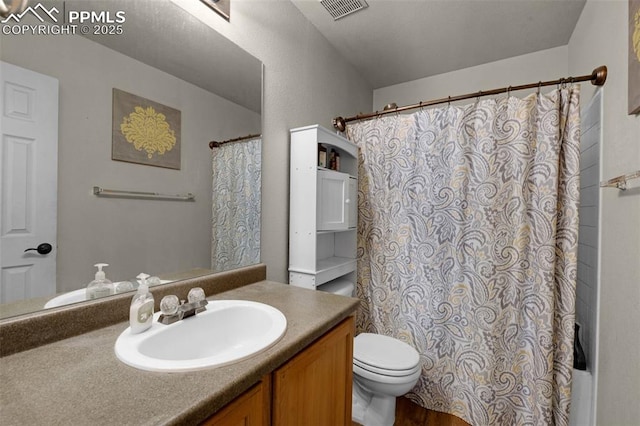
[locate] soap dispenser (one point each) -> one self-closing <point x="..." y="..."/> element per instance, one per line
<point x="100" y="286"/>
<point x="141" y="311"/>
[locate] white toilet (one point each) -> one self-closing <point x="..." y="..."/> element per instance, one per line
<point x="384" y="368"/>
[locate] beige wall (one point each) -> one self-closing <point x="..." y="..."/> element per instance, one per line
<point x="133" y="236"/>
<point x="543" y="65"/>
<point x="600" y="37"/>
<point x="305" y="82"/>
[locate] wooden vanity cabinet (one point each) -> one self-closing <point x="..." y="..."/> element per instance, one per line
<point x="252" y="408"/>
<point x="312" y="389"/>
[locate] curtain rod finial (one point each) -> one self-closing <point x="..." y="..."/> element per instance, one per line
<point x="599" y="76"/>
<point x="339" y="124"/>
<point x="214" y="144"/>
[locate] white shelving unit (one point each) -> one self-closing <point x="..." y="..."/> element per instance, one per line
<point x="323" y="210"/>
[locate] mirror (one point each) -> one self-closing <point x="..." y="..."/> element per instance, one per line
<point x="160" y="53"/>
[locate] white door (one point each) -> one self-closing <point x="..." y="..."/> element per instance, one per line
<point x="28" y="183"/>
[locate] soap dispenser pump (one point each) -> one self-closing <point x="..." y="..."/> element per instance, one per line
<point x="141" y="311"/>
<point x="100" y="286"/>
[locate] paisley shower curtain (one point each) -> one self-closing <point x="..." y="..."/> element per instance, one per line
<point x="467" y="250"/>
<point x="235" y="224"/>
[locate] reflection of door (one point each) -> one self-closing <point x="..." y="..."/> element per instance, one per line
<point x="28" y="182"/>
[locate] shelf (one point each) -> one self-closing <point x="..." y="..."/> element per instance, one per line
<point x="333" y="267"/>
<point x="322" y="209"/>
<point x="335" y="230"/>
<point x="329" y="269"/>
<point x="327" y="137"/>
<point x="329" y="263"/>
<point x="336" y="171"/>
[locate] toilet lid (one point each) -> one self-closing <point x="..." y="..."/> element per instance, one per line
<point x="378" y="353"/>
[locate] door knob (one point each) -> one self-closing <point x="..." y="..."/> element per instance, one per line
<point x="44" y="248"/>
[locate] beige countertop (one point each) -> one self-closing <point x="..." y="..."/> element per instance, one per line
<point x="79" y="380"/>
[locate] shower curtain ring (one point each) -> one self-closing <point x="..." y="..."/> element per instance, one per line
<point x="562" y="84"/>
<point x="508" y="92"/>
<point x="539" y="86"/>
<point x="449" y="102"/>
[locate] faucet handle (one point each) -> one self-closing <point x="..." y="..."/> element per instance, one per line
<point x="196" y="294"/>
<point x="169" y="304"/>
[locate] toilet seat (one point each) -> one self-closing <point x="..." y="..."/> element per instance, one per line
<point x="384" y="372"/>
<point x="384" y="378"/>
<point x="384" y="355"/>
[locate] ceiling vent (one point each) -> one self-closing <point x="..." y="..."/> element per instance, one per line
<point x="341" y="8"/>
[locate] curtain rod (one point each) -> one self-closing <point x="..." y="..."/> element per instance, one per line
<point x="214" y="144"/>
<point x="597" y="78"/>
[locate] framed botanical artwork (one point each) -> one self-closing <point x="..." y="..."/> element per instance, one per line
<point x="634" y="56"/>
<point x="144" y="131"/>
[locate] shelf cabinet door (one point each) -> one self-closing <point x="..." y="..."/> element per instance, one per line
<point x="337" y="201"/>
<point x="314" y="388"/>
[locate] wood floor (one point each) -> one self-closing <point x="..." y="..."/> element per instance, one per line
<point x="410" y="414"/>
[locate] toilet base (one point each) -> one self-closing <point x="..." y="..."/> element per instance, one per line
<point x="372" y="410"/>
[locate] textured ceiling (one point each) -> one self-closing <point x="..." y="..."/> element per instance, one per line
<point x="394" y="41"/>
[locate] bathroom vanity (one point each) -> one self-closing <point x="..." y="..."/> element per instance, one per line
<point x="305" y="375"/>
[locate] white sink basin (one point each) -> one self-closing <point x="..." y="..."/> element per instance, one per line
<point x="67" y="298"/>
<point x="228" y="331"/>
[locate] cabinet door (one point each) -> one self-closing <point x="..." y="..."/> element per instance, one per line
<point x="332" y="210"/>
<point x="252" y="408"/>
<point x="314" y="388"/>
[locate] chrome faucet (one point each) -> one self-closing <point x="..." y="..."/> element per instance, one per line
<point x="173" y="312"/>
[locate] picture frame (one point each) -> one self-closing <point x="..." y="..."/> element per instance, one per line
<point x="221" y="7"/>
<point x="144" y="131"/>
<point x="634" y="57"/>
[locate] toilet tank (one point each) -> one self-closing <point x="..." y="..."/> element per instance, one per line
<point x="339" y="286"/>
